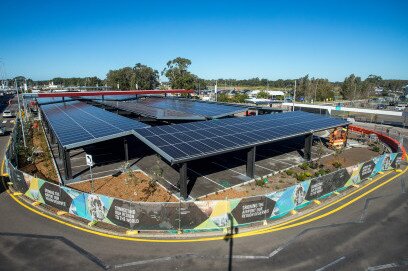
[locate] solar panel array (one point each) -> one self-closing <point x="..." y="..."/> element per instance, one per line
<point x="110" y="97"/>
<point x="184" y="142"/>
<point x="76" y="123"/>
<point x="152" y="112"/>
<point x="50" y="100"/>
<point x="207" y="109"/>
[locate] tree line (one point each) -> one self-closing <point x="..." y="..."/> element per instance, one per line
<point x="178" y="75"/>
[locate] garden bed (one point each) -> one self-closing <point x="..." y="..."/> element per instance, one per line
<point x="36" y="159"/>
<point x="132" y="186"/>
<point x="296" y="174"/>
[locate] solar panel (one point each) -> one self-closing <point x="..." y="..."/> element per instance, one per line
<point x="152" y="112"/>
<point x="110" y="97"/>
<point x="183" y="142"/>
<point x="77" y="124"/>
<point x="207" y="109"/>
<point x="50" y="100"/>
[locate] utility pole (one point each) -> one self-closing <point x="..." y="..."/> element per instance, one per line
<point x="19" y="114"/>
<point x="294" y="98"/>
<point x="314" y="101"/>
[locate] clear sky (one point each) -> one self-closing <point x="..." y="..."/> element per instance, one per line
<point x="224" y="39"/>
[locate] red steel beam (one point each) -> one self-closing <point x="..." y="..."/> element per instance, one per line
<point x="100" y="93"/>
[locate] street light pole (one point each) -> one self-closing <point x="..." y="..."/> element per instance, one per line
<point x="19" y="114"/>
<point x="294" y="98"/>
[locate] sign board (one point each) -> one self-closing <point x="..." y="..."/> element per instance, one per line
<point x="89" y="161"/>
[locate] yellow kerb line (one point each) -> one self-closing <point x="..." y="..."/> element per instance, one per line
<point x="239" y="235"/>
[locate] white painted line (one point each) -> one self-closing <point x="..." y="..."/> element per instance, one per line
<point x="205" y="177"/>
<point x="276" y="160"/>
<point x="229" y="169"/>
<point x="331" y="264"/>
<point x="255" y="164"/>
<point x="384" y="266"/>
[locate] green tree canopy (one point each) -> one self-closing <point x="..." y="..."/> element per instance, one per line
<point x="178" y="75"/>
<point x="144" y="77"/>
<point x="121" y="77"/>
<point x="262" y="95"/>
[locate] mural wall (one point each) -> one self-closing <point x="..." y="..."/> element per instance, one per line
<point x="199" y="215"/>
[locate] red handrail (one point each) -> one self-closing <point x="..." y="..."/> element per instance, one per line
<point x="393" y="143"/>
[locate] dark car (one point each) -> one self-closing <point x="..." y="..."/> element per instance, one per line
<point x="381" y="106"/>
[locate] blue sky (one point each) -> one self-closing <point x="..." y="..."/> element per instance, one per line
<point x="224" y="39"/>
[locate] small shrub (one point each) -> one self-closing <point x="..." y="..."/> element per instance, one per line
<point x="260" y="182"/>
<point x="280" y="181"/>
<point x="376" y="149"/>
<point x="313" y="165"/>
<point x="321" y="172"/>
<point x="308" y="174"/>
<point x="290" y="172"/>
<point x="336" y="164"/>
<point x="301" y="176"/>
<point x="304" y="166"/>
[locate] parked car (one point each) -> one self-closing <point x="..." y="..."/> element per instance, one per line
<point x="400" y="107"/>
<point x="381" y="106"/>
<point x="2" y="130"/>
<point x="7" y="114"/>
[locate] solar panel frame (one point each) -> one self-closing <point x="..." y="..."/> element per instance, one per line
<point x="77" y="124"/>
<point x="152" y="112"/>
<point x="252" y="133"/>
<point x="193" y="106"/>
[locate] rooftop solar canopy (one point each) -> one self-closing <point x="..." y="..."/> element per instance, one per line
<point x="152" y="112"/>
<point x="78" y="124"/>
<point x="184" y="142"/>
<point x="110" y="97"/>
<point x="210" y="110"/>
<point x="51" y="100"/>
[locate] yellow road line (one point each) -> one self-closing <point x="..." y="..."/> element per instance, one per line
<point x="239" y="235"/>
<point x="2" y="169"/>
<point x="328" y="205"/>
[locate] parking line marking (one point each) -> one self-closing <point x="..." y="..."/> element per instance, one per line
<point x="255" y="164"/>
<point x="205" y="177"/>
<point x="275" y="160"/>
<point x="229" y="169"/>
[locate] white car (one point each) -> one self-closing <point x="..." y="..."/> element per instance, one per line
<point x="7" y="114"/>
<point x="400" y="108"/>
<point x="2" y="130"/>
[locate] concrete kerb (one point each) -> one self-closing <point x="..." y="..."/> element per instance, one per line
<point x="284" y="219"/>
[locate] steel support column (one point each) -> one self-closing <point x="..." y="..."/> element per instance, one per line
<point x="183" y="180"/>
<point x="250" y="166"/>
<point x="67" y="164"/>
<point x="307" y="153"/>
<point x="125" y="145"/>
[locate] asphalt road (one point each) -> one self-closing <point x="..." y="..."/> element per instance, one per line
<point x="370" y="234"/>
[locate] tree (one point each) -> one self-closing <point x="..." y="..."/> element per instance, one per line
<point x="351" y="87"/>
<point x="262" y="95"/>
<point x="144" y="77"/>
<point x="122" y="77"/>
<point x="239" y="98"/>
<point x="178" y="75"/>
